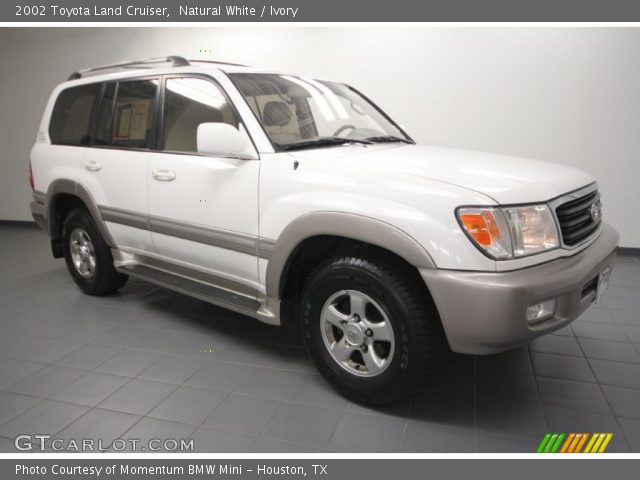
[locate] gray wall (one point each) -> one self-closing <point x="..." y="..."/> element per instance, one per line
<point x="568" y="95"/>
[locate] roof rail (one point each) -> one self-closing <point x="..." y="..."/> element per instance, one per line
<point x="175" y="61"/>
<point x="217" y="63"/>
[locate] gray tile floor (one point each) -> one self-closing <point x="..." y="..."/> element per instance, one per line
<point x="148" y="363"/>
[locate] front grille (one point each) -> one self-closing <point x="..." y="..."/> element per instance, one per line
<point x="576" y="219"/>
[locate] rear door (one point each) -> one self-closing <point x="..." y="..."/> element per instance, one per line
<point x="116" y="168"/>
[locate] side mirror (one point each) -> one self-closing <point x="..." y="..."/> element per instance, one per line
<point x="223" y="140"/>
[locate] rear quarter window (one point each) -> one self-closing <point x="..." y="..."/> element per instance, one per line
<point x="71" y="118"/>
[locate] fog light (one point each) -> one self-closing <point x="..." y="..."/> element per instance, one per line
<point x="540" y="311"/>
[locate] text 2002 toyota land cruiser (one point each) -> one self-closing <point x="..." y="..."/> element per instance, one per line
<point x="299" y="201"/>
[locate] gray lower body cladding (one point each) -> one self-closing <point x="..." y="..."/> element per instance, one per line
<point x="485" y="312"/>
<point x="38" y="214"/>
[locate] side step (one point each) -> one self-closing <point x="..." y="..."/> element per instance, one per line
<point x="203" y="291"/>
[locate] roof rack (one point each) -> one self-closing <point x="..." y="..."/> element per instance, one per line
<point x="217" y="63"/>
<point x="174" y="60"/>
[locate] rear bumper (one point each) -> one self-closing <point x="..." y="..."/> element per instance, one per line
<point x="485" y="312"/>
<point x="38" y="214"/>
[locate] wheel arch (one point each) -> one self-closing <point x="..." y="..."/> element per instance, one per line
<point x="62" y="196"/>
<point x="336" y="228"/>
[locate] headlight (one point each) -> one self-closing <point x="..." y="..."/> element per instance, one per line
<point x="510" y="232"/>
<point x="533" y="229"/>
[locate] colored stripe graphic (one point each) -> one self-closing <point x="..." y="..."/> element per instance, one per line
<point x="594" y="437"/>
<point x="556" y="446"/>
<point x="606" y="441"/>
<point x="551" y="443"/>
<point x="543" y="443"/>
<point x="568" y="442"/>
<point x="581" y="443"/>
<point x="598" y="442"/>
<point x="574" y="443"/>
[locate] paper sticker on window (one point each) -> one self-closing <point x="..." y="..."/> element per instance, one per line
<point x="132" y="120"/>
<point x="124" y="121"/>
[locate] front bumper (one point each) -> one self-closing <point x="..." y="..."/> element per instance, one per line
<point x="485" y="312"/>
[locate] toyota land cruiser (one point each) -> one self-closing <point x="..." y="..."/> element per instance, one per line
<point x="300" y="202"/>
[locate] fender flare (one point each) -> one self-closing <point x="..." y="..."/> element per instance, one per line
<point x="71" y="187"/>
<point x="346" y="225"/>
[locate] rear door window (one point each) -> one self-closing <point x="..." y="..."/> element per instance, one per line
<point x="133" y="114"/>
<point x="105" y="116"/>
<point x="71" y="118"/>
<point x="126" y="114"/>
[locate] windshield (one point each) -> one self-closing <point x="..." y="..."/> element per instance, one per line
<point x="298" y="113"/>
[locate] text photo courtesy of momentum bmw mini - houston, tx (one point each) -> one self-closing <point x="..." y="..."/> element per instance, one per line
<point x="316" y="239"/>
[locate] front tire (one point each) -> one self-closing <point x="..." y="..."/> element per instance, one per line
<point x="370" y="328"/>
<point x="88" y="257"/>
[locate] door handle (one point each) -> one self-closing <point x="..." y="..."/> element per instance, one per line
<point x="93" y="166"/>
<point x="163" y="175"/>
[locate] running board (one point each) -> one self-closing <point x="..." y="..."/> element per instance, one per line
<point x="197" y="289"/>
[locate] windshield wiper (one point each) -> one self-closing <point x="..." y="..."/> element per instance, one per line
<point x="323" y="142"/>
<point x="388" y="139"/>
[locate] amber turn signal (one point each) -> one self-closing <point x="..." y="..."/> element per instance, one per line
<point x="481" y="226"/>
<point x="487" y="228"/>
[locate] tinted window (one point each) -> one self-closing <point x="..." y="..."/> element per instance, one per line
<point x="132" y="114"/>
<point x="71" y="118"/>
<point x="105" y="116"/>
<point x="188" y="102"/>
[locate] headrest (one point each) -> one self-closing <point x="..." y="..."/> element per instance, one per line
<point x="276" y="114"/>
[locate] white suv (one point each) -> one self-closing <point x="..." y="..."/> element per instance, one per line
<point x="300" y="202"/>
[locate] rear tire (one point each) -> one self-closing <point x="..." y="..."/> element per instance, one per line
<point x="88" y="257"/>
<point x="370" y="327"/>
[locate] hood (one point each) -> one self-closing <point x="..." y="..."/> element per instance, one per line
<point x="506" y="179"/>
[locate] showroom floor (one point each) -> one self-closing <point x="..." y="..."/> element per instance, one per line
<point x="148" y="363"/>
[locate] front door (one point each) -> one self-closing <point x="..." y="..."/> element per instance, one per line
<point x="203" y="209"/>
